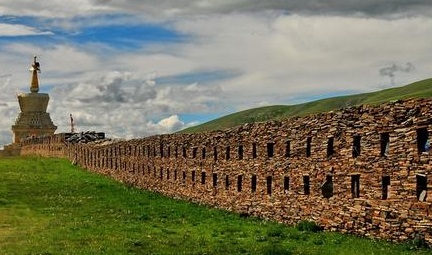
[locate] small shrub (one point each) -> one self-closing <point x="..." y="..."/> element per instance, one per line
<point x="136" y="243"/>
<point x="144" y="217"/>
<point x="4" y="201"/>
<point x="337" y="240"/>
<point x="274" y="249"/>
<point x="295" y="236"/>
<point x="168" y="231"/>
<point x="276" y="231"/>
<point x="308" y="226"/>
<point x="260" y="238"/>
<point x="298" y="236"/>
<point x="417" y="243"/>
<point x="230" y="230"/>
<point x="318" y="241"/>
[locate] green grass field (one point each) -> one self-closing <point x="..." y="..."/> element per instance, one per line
<point x="48" y="206"/>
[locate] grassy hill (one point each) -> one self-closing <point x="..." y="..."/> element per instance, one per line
<point x="420" y="89"/>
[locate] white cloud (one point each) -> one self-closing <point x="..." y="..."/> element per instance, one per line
<point x="274" y="57"/>
<point x="124" y="104"/>
<point x="167" y="125"/>
<point x="171" y="9"/>
<point x="8" y="113"/>
<point x="52" y="8"/>
<point x="20" y="30"/>
<point x="289" y="55"/>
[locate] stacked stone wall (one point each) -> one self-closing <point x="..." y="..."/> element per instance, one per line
<point x="364" y="170"/>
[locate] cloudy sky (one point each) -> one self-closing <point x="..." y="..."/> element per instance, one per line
<point x="139" y="67"/>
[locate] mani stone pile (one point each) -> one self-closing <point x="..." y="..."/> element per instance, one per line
<point x="364" y="170"/>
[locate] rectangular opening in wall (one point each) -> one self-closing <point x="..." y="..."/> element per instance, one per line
<point x="306" y="184"/>
<point x="215" y="179"/>
<point x="161" y="173"/>
<point x="385" y="186"/>
<point x="269" y="181"/>
<point x="240" y="152"/>
<point x="287" y="149"/>
<point x="184" y="152"/>
<point x="227" y="182"/>
<point x="176" y="151"/>
<point x="327" y="187"/>
<point x="227" y="153"/>
<point x="193" y="176"/>
<point x="167" y="174"/>
<point x="253" y="183"/>
<point x="330" y="147"/>
<point x="355" y="185"/>
<point x="161" y="150"/>
<point x="385" y="144"/>
<point x="203" y="177"/>
<point x="215" y="154"/>
<point x="203" y="153"/>
<point x="286" y="184"/>
<point x="423" y="144"/>
<point x="175" y="175"/>
<point x="184" y="176"/>
<point x="254" y="150"/>
<point x="194" y="152"/>
<point x="169" y="151"/>
<point x="356" y="146"/>
<point x="270" y="149"/>
<point x="308" y="146"/>
<point x="239" y="183"/>
<point x="421" y="187"/>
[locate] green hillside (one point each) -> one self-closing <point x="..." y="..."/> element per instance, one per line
<point x="420" y="89"/>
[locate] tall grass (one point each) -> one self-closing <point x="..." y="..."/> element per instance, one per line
<point x="48" y="206"/>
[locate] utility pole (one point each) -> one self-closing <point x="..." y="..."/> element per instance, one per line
<point x="72" y="125"/>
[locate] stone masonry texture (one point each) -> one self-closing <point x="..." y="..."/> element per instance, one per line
<point x="364" y="170"/>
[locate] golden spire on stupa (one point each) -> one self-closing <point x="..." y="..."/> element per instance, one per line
<point x="35" y="69"/>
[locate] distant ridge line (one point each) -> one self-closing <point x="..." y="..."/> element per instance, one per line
<point x="419" y="89"/>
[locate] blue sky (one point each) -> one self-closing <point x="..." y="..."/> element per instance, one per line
<point x="136" y="68"/>
<point x="118" y="35"/>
